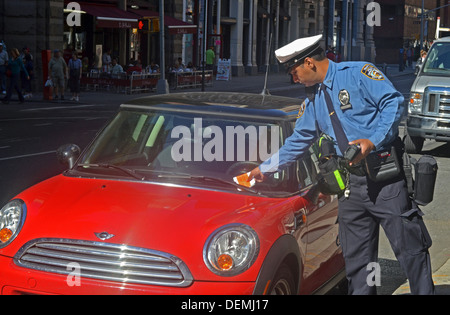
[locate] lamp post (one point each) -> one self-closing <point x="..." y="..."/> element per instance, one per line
<point x="421" y="24"/>
<point x="205" y="41"/>
<point x="162" y="87"/>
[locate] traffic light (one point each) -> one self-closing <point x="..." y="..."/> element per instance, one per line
<point x="143" y="25"/>
<point x="155" y="25"/>
<point x="148" y="25"/>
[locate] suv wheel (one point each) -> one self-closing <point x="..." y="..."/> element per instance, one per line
<point x="413" y="144"/>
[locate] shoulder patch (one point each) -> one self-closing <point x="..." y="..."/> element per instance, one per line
<point x="372" y="72"/>
<point x="301" y="110"/>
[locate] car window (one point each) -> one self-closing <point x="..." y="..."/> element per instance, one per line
<point x="197" y="144"/>
<point x="438" y="60"/>
<point x="307" y="169"/>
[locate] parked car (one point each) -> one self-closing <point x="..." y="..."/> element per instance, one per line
<point x="150" y="207"/>
<point x="429" y="106"/>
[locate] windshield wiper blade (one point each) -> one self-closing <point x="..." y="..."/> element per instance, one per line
<point x="116" y="167"/>
<point x="213" y="179"/>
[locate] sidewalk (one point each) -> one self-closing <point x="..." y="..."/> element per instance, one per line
<point x="244" y="84"/>
<point x="441" y="278"/>
<point x="276" y="82"/>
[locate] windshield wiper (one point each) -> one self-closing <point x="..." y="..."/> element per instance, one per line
<point x="112" y="166"/>
<point x="212" y="179"/>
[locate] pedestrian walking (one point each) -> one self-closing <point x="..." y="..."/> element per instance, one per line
<point x="75" y="71"/>
<point x="15" y="65"/>
<point x="401" y="62"/>
<point x="409" y="56"/>
<point x="26" y="82"/>
<point x="57" y="70"/>
<point x="3" y="64"/>
<point x="355" y="104"/>
<point x="210" y="58"/>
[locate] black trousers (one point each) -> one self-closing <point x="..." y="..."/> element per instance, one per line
<point x="387" y="204"/>
<point x="14" y="83"/>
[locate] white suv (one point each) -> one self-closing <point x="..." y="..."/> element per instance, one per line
<point x="429" y="106"/>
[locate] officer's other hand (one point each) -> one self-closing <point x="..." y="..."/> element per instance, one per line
<point x="366" y="147"/>
<point x="256" y="174"/>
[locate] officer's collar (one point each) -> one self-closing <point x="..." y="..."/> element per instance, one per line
<point x="329" y="77"/>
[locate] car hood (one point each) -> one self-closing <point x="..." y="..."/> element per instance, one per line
<point x="161" y="217"/>
<point x="423" y="81"/>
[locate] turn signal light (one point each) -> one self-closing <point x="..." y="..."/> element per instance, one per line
<point x="5" y="235"/>
<point x="225" y="262"/>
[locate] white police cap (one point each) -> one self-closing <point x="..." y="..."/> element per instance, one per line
<point x="296" y="51"/>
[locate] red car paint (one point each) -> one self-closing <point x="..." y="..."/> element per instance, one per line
<point x="173" y="218"/>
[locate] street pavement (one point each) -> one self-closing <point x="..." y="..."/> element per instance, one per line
<point x="253" y="84"/>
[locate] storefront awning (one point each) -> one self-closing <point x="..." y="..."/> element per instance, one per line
<point x="110" y="16"/>
<point x="174" y="25"/>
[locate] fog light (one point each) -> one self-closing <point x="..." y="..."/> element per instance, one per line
<point x="5" y="235"/>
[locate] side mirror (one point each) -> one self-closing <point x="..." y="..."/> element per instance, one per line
<point x="67" y="154"/>
<point x="312" y="194"/>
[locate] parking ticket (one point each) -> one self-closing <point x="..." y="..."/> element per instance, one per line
<point x="243" y="180"/>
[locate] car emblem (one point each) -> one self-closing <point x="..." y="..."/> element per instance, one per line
<point x="104" y="235"/>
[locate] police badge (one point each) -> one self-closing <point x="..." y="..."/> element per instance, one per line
<point x="344" y="98"/>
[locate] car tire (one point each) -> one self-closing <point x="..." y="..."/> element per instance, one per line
<point x="413" y="144"/>
<point x="283" y="282"/>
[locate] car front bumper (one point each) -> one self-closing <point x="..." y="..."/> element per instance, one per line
<point x="428" y="127"/>
<point x="16" y="280"/>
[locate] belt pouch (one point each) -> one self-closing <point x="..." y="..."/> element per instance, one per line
<point x="333" y="181"/>
<point x="383" y="166"/>
<point x="425" y="179"/>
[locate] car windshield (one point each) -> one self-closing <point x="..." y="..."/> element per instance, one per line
<point x="438" y="60"/>
<point x="182" y="146"/>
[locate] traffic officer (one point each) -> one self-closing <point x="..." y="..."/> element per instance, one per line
<point x="369" y="109"/>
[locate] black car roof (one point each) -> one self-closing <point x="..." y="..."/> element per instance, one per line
<point x="255" y="105"/>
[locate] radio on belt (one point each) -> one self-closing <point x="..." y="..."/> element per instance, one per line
<point x="352" y="151"/>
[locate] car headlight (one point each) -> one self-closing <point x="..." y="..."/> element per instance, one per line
<point x="231" y="250"/>
<point x="12" y="217"/>
<point x="415" y="103"/>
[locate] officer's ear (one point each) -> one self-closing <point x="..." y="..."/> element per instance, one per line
<point x="309" y="63"/>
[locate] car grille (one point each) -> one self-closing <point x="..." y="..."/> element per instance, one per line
<point x="104" y="261"/>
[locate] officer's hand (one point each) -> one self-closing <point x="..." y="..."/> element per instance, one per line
<point x="366" y="147"/>
<point x="257" y="175"/>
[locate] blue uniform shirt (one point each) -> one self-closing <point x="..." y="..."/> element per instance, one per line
<point x="365" y="101"/>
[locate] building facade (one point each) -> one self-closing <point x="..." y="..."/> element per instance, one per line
<point x="245" y="31"/>
<point x="402" y="28"/>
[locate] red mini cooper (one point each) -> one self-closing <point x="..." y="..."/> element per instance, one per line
<point x="150" y="207"/>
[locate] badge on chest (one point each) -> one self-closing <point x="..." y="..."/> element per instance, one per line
<point x="344" y="99"/>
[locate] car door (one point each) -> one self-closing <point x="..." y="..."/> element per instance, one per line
<point x="322" y="246"/>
